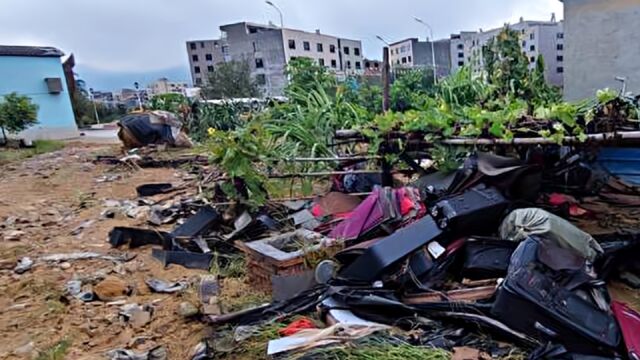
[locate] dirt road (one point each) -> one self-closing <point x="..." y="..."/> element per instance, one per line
<point x="42" y="200"/>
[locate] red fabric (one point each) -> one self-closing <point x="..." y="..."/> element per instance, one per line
<point x="629" y="322"/>
<point x="557" y="199"/>
<point x="316" y="210"/>
<point x="294" y="327"/>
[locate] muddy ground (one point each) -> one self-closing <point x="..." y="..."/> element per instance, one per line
<point x="42" y="200"/>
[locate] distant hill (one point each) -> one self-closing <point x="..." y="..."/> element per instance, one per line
<point x="102" y="80"/>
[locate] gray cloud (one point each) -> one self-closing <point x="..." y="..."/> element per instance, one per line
<point x="149" y="35"/>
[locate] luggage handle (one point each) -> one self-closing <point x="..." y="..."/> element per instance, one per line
<point x="538" y="326"/>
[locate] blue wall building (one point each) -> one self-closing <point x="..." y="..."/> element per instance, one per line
<point x="37" y="72"/>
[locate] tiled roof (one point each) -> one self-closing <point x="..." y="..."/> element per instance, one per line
<point x="36" y="51"/>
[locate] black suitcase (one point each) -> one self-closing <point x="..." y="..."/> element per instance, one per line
<point x="530" y="301"/>
<point x="487" y="258"/>
<point x="477" y="211"/>
<point x="389" y="251"/>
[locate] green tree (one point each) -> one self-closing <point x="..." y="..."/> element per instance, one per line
<point x="305" y="76"/>
<point x="506" y="66"/>
<point x="17" y="113"/>
<point x="231" y="80"/>
<point x="507" y="70"/>
<point x="410" y="88"/>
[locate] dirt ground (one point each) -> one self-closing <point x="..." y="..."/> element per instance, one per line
<point x="45" y="198"/>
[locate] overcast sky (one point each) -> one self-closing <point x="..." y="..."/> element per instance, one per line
<point x="149" y="35"/>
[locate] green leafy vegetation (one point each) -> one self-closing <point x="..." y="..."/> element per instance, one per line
<point x="17" y="113"/>
<point x="509" y="99"/>
<point x="8" y="155"/>
<point x="376" y="347"/>
<point x="56" y="352"/>
<point x="172" y="102"/>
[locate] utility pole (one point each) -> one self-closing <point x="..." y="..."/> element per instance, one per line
<point x="137" y="86"/>
<point x="93" y="101"/>
<point x="386" y="72"/>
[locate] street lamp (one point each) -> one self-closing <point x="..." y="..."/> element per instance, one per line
<point x="137" y="86"/>
<point x="433" y="53"/>
<point x="93" y="101"/>
<point x="278" y="10"/>
<point x="383" y="40"/>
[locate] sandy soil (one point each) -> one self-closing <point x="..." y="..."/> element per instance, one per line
<point x="45" y="198"/>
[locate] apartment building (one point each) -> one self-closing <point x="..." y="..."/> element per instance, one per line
<point x="351" y="58"/>
<point x="268" y="49"/>
<point x="164" y="86"/>
<point x="203" y="56"/>
<point x="414" y="53"/>
<point x="538" y="38"/>
<point x="601" y="44"/>
<point x="460" y="49"/>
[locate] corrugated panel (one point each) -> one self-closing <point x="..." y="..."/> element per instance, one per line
<point x="622" y="162"/>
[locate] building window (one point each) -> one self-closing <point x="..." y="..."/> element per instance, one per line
<point x="560" y="35"/>
<point x="460" y="46"/>
<point x="356" y="51"/>
<point x="198" y="81"/>
<point x="376" y="65"/>
<point x="532" y="59"/>
<point x="255" y="48"/>
<point x="261" y="79"/>
<point x="346" y="50"/>
<point x="253" y="30"/>
<point x="524" y="44"/>
<point x="460" y="63"/>
<point x="196" y="69"/>
<point x="334" y="63"/>
<point x="225" y="50"/>
<point x="560" y="70"/>
<point x="332" y="49"/>
<point x="210" y="68"/>
<point x="259" y="63"/>
<point x="348" y="64"/>
<point x="560" y="47"/>
<point x="292" y="44"/>
<point x="367" y="64"/>
<point x="560" y="58"/>
<point x="192" y="46"/>
<point x="194" y="57"/>
<point x="532" y="48"/>
<point x="208" y="57"/>
<point x="358" y="65"/>
<point x="398" y="61"/>
<point x="202" y="44"/>
<point x="319" y="47"/>
<point x="532" y="36"/>
<point x="321" y="62"/>
<point x="409" y="58"/>
<point x="460" y="55"/>
<point x="404" y="60"/>
<point x="306" y="46"/>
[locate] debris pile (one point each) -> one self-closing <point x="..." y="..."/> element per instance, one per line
<point x="482" y="262"/>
